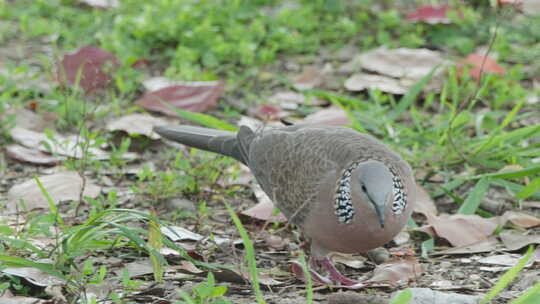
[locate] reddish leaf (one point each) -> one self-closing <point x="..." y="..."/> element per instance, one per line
<point x="91" y="63"/>
<point x="429" y="14"/>
<point x="269" y="112"/>
<point x="190" y="96"/>
<point x="424" y="204"/>
<point x="490" y="66"/>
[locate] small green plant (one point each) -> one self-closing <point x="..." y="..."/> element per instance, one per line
<point x="205" y="293"/>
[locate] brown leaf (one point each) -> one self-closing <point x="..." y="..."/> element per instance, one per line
<point x="8" y="298"/>
<point x="520" y="219"/>
<point x="309" y="79"/>
<point x="189" y="96"/>
<point x="34" y="276"/>
<point x="424" y="204"/>
<point x="63" y="186"/>
<point x="24" y="154"/>
<point x="515" y="241"/>
<point x="401" y="63"/>
<point x="461" y="230"/>
<point x="487" y="245"/>
<point x="481" y="64"/>
<point x="363" y="81"/>
<point x="333" y="116"/>
<point x="137" y="124"/>
<point x="91" y="63"/>
<point x="264" y="210"/>
<point x="397" y="272"/>
<point x="430" y="14"/>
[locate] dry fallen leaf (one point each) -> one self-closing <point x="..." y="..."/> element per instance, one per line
<point x="424" y="203"/>
<point x="481" y="64"/>
<point x="333" y="116"/>
<point x="87" y="68"/>
<point x="363" y="81"/>
<point x="462" y="230"/>
<point x="176" y="233"/>
<point x="521" y="219"/>
<point x="309" y="79"/>
<point x="137" y="124"/>
<point x="190" y="96"/>
<point x="63" y="186"/>
<point x="487" y="245"/>
<point x="264" y="209"/>
<point x="397" y="272"/>
<point x="24" y="154"/>
<point x="61" y="145"/>
<point x="34" y="276"/>
<point x="429" y="14"/>
<point x="515" y="240"/>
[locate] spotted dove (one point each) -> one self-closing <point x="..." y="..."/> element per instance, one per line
<point x="346" y="190"/>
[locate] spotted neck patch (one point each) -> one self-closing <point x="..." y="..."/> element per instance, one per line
<point x="343" y="202"/>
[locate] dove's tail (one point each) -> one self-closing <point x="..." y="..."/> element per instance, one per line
<point x="217" y="141"/>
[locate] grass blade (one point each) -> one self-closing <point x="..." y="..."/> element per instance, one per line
<point x="307" y="275"/>
<point x="472" y="201"/>
<point x="507" y="277"/>
<point x="250" y="255"/>
<point x="203" y="119"/>
<point x="530" y="296"/>
<point x="403" y="297"/>
<point x="411" y="96"/>
<point x="509" y="174"/>
<point x="530" y="189"/>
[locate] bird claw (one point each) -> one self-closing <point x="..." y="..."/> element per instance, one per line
<point x="336" y="277"/>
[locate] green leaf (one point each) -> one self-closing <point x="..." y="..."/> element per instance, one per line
<point x="507" y="277"/>
<point x="403" y="297"/>
<point x="472" y="201"/>
<point x="219" y="291"/>
<point x="530" y="189"/>
<point x="203" y="119"/>
<point x="530" y="296"/>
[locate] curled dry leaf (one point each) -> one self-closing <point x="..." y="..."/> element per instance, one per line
<point x="137" y="124"/>
<point x="190" y="96"/>
<point x="397" y="272"/>
<point x="333" y="116"/>
<point x="176" y="233"/>
<point x="429" y="14"/>
<point x="521" y="219"/>
<point x="363" y="81"/>
<point x="8" y="298"/>
<point x="481" y="64"/>
<point x="401" y="63"/>
<point x="63" y="186"/>
<point x="24" y="154"/>
<point x="34" y="276"/>
<point x="91" y="63"/>
<point x="264" y="210"/>
<point x="515" y="240"/>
